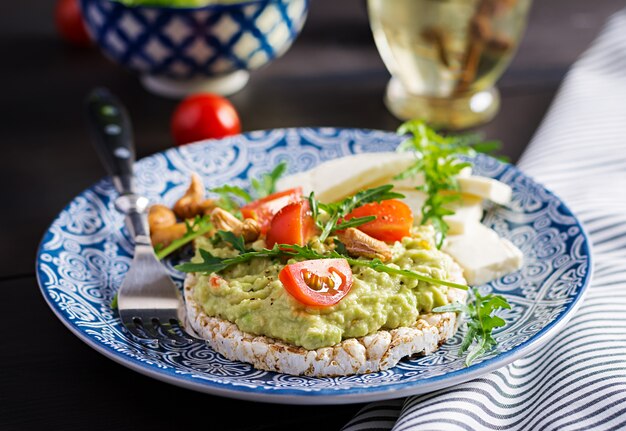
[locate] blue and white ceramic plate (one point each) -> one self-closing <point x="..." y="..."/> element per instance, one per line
<point x="85" y="254"/>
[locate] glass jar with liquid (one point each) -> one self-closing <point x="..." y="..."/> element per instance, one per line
<point x="445" y="56"/>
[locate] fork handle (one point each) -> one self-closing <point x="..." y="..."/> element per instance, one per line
<point x="111" y="131"/>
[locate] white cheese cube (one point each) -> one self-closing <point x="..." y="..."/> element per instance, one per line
<point x="486" y="188"/>
<point x="483" y="255"/>
<point x="468" y="212"/>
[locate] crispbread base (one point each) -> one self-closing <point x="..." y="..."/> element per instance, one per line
<point x="372" y="353"/>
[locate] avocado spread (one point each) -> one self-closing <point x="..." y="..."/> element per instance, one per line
<point x="251" y="295"/>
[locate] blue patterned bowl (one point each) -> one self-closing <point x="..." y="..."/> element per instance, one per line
<point x="179" y="51"/>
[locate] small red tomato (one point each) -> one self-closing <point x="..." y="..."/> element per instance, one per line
<point x="70" y="24"/>
<point x="317" y="283"/>
<point x="393" y="220"/>
<point x="204" y="116"/>
<point x="264" y="209"/>
<point x="293" y="224"/>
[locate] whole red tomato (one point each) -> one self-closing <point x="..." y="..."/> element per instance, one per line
<point x="204" y="116"/>
<point x="70" y="24"/>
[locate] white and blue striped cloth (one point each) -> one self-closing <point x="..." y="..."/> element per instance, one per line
<point x="578" y="380"/>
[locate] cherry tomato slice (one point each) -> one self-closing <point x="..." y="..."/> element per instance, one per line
<point x="293" y="224"/>
<point x="263" y="210"/>
<point x="317" y="283"/>
<point x="393" y="220"/>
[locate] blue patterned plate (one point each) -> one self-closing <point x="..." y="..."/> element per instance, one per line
<point x="86" y="252"/>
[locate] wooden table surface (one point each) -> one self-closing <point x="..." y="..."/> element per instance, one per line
<point x="332" y="76"/>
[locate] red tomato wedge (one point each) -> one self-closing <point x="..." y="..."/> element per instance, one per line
<point x="393" y="220"/>
<point x="263" y="210"/>
<point x="293" y="224"/>
<point x="317" y="283"/>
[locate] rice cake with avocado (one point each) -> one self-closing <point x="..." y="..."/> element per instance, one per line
<point x="246" y="314"/>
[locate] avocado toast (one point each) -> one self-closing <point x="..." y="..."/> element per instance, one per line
<point x="245" y="314"/>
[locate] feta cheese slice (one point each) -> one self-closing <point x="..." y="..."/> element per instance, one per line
<point x="486" y="188"/>
<point x="338" y="178"/>
<point x="483" y="255"/>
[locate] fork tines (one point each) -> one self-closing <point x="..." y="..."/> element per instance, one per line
<point x="164" y="329"/>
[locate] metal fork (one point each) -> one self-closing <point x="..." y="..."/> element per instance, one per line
<point x="149" y="304"/>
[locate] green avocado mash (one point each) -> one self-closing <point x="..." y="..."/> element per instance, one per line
<point x="176" y="3"/>
<point x="251" y="296"/>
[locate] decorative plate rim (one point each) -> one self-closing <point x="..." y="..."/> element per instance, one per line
<point x="335" y="396"/>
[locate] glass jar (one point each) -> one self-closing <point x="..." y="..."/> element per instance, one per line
<point x="445" y="56"/>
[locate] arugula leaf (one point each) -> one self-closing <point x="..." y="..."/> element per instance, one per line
<point x="267" y="185"/>
<point x="376" y="264"/>
<point x="437" y="159"/>
<point x="354" y="222"/>
<point x="337" y="210"/>
<point x="487" y="147"/>
<point x="481" y="323"/>
<point x="227" y="190"/>
<point x="315" y="211"/>
<point x="340" y="247"/>
<point x="198" y="227"/>
<point x="211" y="263"/>
<point x="229" y="194"/>
<point x="228" y="198"/>
<point x="379" y="266"/>
<point x="237" y="242"/>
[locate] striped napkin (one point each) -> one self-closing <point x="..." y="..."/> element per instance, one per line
<point x="578" y="380"/>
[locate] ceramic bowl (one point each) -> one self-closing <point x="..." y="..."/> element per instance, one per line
<point x="179" y="51"/>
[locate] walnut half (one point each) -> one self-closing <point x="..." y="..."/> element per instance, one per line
<point x="223" y="220"/>
<point x="160" y="216"/>
<point x="193" y="202"/>
<point x="359" y="243"/>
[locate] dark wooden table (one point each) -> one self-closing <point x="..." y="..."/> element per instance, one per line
<point x="332" y="76"/>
